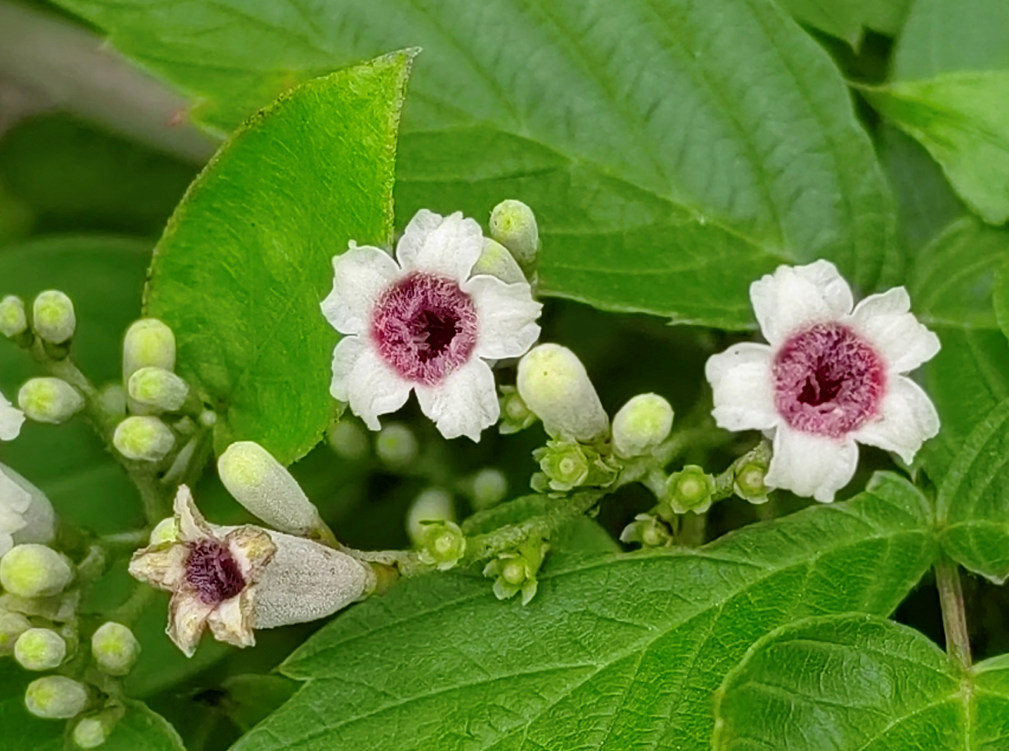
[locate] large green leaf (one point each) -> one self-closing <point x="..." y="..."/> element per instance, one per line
<point x="671" y="155"/>
<point x="615" y="651"/>
<point x="247" y="257"/>
<point x="962" y="120"/>
<point x="941" y="36"/>
<point x="859" y="683"/>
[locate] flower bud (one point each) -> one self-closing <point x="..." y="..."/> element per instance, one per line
<point x="690" y="489"/>
<point x="148" y="343"/>
<point x="60" y="608"/>
<point x="641" y="425"/>
<point x="56" y="697"/>
<point x="495" y="260"/>
<point x="53" y="317"/>
<point x="513" y="224"/>
<point x="113" y="400"/>
<point x="164" y="531"/>
<point x="12" y="625"/>
<point x="40" y="649"/>
<point x="50" y="400"/>
<point x="25" y="513"/>
<point x="488" y="487"/>
<point x="90" y="732"/>
<point x="553" y="383"/>
<point x="647" y="530"/>
<point x="515" y="414"/>
<point x="13" y="321"/>
<point x="114" y="648"/>
<point x="568" y="465"/>
<point x="433" y="505"/>
<point x="143" y="438"/>
<point x="158" y="388"/>
<point x="442" y="544"/>
<point x="34" y="570"/>
<point x="349" y="440"/>
<point x="11" y="420"/>
<point x="396" y="445"/>
<point x="268" y="491"/>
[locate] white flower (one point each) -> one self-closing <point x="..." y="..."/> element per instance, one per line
<point x="423" y="323"/>
<point x="11" y="420"/>
<point x="830" y="377"/>
<point x="25" y="513"/>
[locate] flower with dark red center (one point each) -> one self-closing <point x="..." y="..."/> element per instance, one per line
<point x="425" y="322"/>
<point x="829" y="378"/>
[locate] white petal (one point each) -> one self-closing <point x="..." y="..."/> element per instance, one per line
<point x="885" y="319"/>
<point x="448" y="249"/>
<point x="231" y="621"/>
<point x="360" y="276"/>
<point x="506" y="315"/>
<point x="908" y="418"/>
<point x="6" y="543"/>
<point x="797" y="296"/>
<point x="464" y="403"/>
<point x="740" y="378"/>
<point x="161" y="566"/>
<point x="11" y="420"/>
<point x="192" y="525"/>
<point x="810" y="465"/>
<point x="362" y="379"/>
<point x="13" y="496"/>
<point x="187" y="616"/>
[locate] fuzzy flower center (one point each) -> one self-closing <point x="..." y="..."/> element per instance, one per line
<point x="828" y="380"/>
<point x="425" y="327"/>
<point x="213" y="572"/>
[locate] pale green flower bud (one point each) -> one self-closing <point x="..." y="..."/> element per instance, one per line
<point x="515" y="413"/>
<point x="143" y="438"/>
<point x="12" y="625"/>
<point x="268" y="491"/>
<point x="349" y="440"/>
<point x="553" y="383"/>
<point x="113" y="400"/>
<point x="749" y="482"/>
<point x="148" y="344"/>
<point x="40" y="649"/>
<point x="50" y="400"/>
<point x="433" y="505"/>
<point x="91" y="732"/>
<point x="114" y="648"/>
<point x="53" y="317"/>
<point x="647" y="530"/>
<point x="164" y="531"/>
<point x="26" y="515"/>
<point x="396" y="445"/>
<point x="641" y="425"/>
<point x="488" y="487"/>
<point x="690" y="489"/>
<point x="513" y="224"/>
<point x="34" y="570"/>
<point x="495" y="260"/>
<point x="13" y="321"/>
<point x="442" y="544"/>
<point x="56" y="697"/>
<point x="158" y="388"/>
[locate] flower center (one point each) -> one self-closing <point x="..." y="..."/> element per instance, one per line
<point x="425" y="327"/>
<point x="828" y="380"/>
<point x="213" y="572"/>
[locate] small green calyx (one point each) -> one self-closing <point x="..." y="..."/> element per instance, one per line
<point x="567" y="465"/>
<point x="749" y="483"/>
<point x="443" y="544"/>
<point x="516" y="571"/>
<point x="690" y="489"/>
<point x="515" y="413"/>
<point x="647" y="530"/>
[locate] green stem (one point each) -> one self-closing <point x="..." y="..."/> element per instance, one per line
<point x="954" y="615"/>
<point x="692" y="530"/>
<point x="131" y="609"/>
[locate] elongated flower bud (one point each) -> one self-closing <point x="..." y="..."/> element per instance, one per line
<point x="56" y="697"/>
<point x="34" y="570"/>
<point x="158" y="388"/>
<point x="143" y="438"/>
<point x="53" y="317"/>
<point x="553" y="383"/>
<point x="40" y="649"/>
<point x="114" y="648"/>
<point x="496" y="260"/>
<point x="13" y="321"/>
<point x="641" y="425"/>
<point x="149" y="343"/>
<point x="268" y="491"/>
<point x="26" y="515"/>
<point x="513" y="224"/>
<point x="50" y="400"/>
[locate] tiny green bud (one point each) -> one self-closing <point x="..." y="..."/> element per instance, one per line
<point x="34" y="570"/>
<point x="648" y="530"/>
<point x="56" y="697"/>
<point x="553" y="383"/>
<point x="349" y="440"/>
<point x="641" y="425"/>
<point x="516" y="572"/>
<point x="566" y="466"/>
<point x="164" y="531"/>
<point x="495" y="260"/>
<point x="50" y="400"/>
<point x="443" y="544"/>
<point x="90" y="732"/>
<point x="513" y="224"/>
<point x="515" y="414"/>
<point x="143" y="438"/>
<point x="396" y="445"/>
<point x="12" y="625"/>
<point x="488" y="487"/>
<point x="433" y="505"/>
<point x="750" y="473"/>
<point x="40" y="649"/>
<point x="158" y="388"/>
<point x="690" y="489"/>
<point x="53" y="317"/>
<point x="268" y="491"/>
<point x="13" y="321"/>
<point x="114" y="648"/>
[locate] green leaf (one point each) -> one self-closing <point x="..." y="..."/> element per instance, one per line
<point x="671" y="157"/>
<point x="962" y="120"/>
<point x="845" y="19"/>
<point x="247" y="257"/>
<point x="941" y="36"/>
<point x="859" y="682"/>
<point x="640" y="639"/>
<point x="973" y="503"/>
<point x="249" y="699"/>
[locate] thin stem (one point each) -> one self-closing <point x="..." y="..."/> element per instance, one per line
<point x="131" y="609"/>
<point x="692" y="529"/>
<point x="954" y="616"/>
